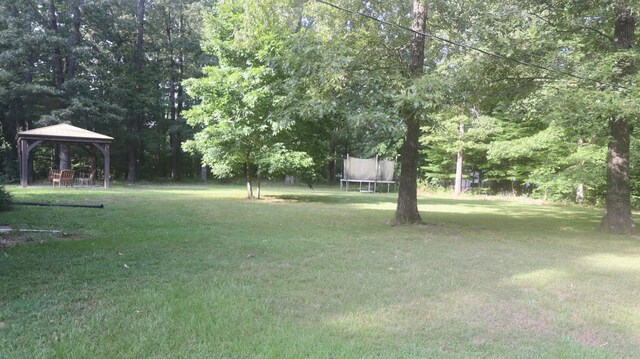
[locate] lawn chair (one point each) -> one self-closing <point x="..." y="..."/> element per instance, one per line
<point x="88" y="180"/>
<point x="65" y="176"/>
<point x="53" y="172"/>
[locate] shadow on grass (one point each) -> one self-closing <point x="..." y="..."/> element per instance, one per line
<point x="501" y="215"/>
<point x="331" y="198"/>
<point x="359" y="198"/>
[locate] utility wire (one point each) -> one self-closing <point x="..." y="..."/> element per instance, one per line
<point x="469" y="47"/>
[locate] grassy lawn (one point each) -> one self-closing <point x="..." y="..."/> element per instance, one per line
<point x="199" y="272"/>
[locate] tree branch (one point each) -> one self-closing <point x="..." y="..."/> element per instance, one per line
<point x="592" y="29"/>
<point x="533" y="78"/>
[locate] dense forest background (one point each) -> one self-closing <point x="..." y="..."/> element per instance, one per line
<point x="264" y="89"/>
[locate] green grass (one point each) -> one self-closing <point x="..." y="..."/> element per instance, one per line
<point x="199" y="272"/>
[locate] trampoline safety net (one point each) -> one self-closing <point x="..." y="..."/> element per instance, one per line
<point x="371" y="169"/>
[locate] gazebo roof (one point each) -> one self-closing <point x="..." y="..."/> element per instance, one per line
<point x="64" y="132"/>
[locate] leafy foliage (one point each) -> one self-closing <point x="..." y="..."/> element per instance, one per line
<point x="247" y="125"/>
<point x="6" y="199"/>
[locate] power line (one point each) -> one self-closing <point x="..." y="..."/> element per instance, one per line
<point x="469" y="47"/>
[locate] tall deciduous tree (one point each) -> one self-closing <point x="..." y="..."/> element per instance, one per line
<point x="245" y="128"/>
<point x="407" y="207"/>
<point x="617" y="217"/>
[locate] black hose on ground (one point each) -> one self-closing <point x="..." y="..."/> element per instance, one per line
<point x="59" y="204"/>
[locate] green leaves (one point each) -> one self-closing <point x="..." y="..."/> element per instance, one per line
<point x="244" y="110"/>
<point x="539" y="145"/>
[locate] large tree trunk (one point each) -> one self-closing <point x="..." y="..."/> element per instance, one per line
<point x="65" y="156"/>
<point x="407" y="209"/>
<point x="617" y="216"/>
<point x="135" y="146"/>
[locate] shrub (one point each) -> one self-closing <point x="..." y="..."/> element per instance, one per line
<point x="5" y="199"/>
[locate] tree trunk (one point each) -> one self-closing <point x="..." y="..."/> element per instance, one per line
<point x="57" y="57"/>
<point x="135" y="145"/>
<point x="203" y="173"/>
<point x="458" y="185"/>
<point x="407" y="209"/>
<point x="580" y="186"/>
<point x="580" y="193"/>
<point x="174" y="141"/>
<point x="72" y="60"/>
<point x="249" y="181"/>
<point x="617" y="216"/>
<point x="176" y="148"/>
<point x="259" y="185"/>
<point x="65" y="156"/>
<point x="331" y="165"/>
<point x="132" y="175"/>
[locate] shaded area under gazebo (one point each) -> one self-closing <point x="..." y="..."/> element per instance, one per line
<point x="62" y="133"/>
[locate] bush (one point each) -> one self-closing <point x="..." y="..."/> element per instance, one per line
<point x="5" y="199"/>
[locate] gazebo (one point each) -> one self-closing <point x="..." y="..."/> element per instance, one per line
<point x="62" y="133"/>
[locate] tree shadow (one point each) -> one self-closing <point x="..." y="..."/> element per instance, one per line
<point x="332" y="198"/>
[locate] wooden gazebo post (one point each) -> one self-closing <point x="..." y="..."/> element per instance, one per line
<point x="24" y="149"/>
<point x="105" y="152"/>
<point x="24" y="167"/>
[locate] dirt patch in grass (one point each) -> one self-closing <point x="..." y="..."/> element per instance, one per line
<point x="275" y="199"/>
<point x="15" y="239"/>
<point x="590" y="337"/>
<point x="12" y="241"/>
<point x="508" y="317"/>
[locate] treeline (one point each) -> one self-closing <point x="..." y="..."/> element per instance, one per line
<point x="114" y="67"/>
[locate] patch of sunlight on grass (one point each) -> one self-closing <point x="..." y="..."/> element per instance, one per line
<point x="378" y="205"/>
<point x="364" y="321"/>
<point x="461" y="209"/>
<point x="538" y="278"/>
<point x="613" y="262"/>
